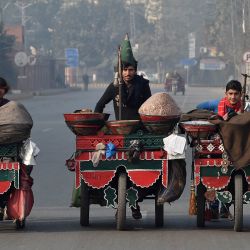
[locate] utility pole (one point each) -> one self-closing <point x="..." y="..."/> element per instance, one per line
<point x="233" y="36"/>
<point x="132" y="22"/>
<point x="22" y="6"/>
<point x="2" y="8"/>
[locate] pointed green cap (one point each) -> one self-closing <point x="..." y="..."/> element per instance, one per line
<point x="127" y="53"/>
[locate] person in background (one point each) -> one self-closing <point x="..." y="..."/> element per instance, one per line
<point x="135" y="91"/>
<point x="85" y="79"/>
<point x="4" y="88"/>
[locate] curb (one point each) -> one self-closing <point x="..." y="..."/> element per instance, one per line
<point x="19" y="95"/>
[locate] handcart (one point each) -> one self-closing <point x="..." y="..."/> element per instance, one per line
<point x="120" y="179"/>
<point x="214" y="174"/>
<point x="13" y="175"/>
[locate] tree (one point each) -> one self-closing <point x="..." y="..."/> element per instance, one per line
<point x="7" y="69"/>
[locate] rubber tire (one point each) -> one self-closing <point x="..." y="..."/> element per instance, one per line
<point x="201" y="205"/>
<point x="238" y="203"/>
<point x="159" y="214"/>
<point x="121" y="206"/>
<point x="84" y="210"/>
<point x="20" y="224"/>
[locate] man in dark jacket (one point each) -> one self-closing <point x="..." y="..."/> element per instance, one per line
<point x="135" y="89"/>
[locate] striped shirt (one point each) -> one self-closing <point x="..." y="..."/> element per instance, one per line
<point x="225" y="106"/>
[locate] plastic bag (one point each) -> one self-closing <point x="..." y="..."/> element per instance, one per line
<point x="110" y="150"/>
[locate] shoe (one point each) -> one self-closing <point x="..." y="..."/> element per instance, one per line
<point x="136" y="213"/>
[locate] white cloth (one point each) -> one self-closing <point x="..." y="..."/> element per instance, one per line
<point x="97" y="155"/>
<point x="175" y="145"/>
<point x="28" y="152"/>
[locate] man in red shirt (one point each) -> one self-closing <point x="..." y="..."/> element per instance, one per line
<point x="229" y="106"/>
<point x="231" y="103"/>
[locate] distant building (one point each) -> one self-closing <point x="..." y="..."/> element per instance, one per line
<point x="18" y="32"/>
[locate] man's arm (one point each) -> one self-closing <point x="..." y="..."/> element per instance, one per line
<point x="222" y="110"/>
<point x="105" y="99"/>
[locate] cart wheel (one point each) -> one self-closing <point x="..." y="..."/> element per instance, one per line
<point x="121" y="208"/>
<point x="159" y="214"/>
<point x="84" y="210"/>
<point x="20" y="224"/>
<point x="201" y="205"/>
<point x="238" y="203"/>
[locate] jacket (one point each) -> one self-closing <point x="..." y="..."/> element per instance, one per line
<point x="132" y="98"/>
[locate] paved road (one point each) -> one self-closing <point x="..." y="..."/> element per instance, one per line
<point x="53" y="225"/>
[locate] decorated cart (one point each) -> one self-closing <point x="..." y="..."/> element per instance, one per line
<point x="123" y="163"/>
<point x="15" y="185"/>
<point x="214" y="175"/>
<point x="16" y="160"/>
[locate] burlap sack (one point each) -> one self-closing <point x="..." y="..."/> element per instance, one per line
<point x="15" y="123"/>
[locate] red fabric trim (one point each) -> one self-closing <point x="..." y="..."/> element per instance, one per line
<point x="4" y="186"/>
<point x="165" y="173"/>
<point x="215" y="182"/>
<point x="197" y="178"/>
<point x="97" y="179"/>
<point x="144" y="178"/>
<point x="9" y="166"/>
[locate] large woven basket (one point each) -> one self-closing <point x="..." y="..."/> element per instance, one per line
<point x="199" y="129"/>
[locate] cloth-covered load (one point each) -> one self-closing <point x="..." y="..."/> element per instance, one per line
<point x="15" y="123"/>
<point x="160" y="104"/>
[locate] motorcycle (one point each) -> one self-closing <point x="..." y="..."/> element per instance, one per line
<point x="175" y="85"/>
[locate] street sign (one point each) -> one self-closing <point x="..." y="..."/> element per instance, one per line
<point x="72" y="57"/>
<point x="21" y="59"/>
<point x="246" y="57"/>
<point x="191" y="47"/>
<point x="188" y="62"/>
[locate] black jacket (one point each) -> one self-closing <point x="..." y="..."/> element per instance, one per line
<point x="132" y="98"/>
<point x="3" y="101"/>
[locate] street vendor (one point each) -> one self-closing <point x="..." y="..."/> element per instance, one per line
<point x="135" y="91"/>
<point x="135" y="88"/>
<point x="230" y="105"/>
<point x="4" y="88"/>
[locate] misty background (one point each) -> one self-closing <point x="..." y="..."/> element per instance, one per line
<point x="204" y="40"/>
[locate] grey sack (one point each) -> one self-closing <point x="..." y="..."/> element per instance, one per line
<point x="15" y="123"/>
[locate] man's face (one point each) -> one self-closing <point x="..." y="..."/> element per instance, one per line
<point x="233" y="96"/>
<point x="128" y="73"/>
